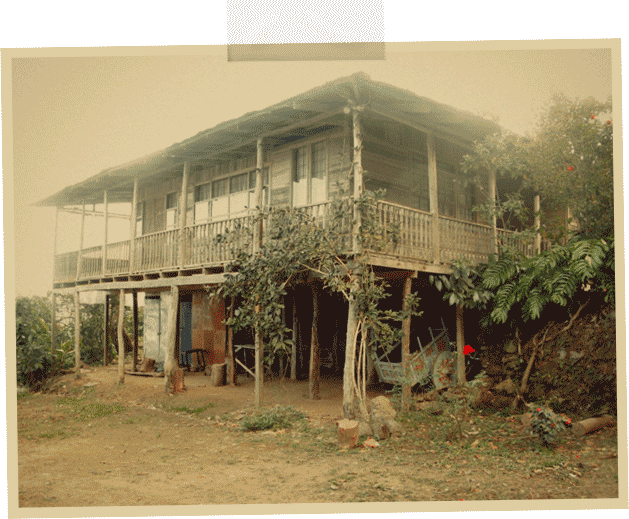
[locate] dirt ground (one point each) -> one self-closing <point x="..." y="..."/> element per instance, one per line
<point x="92" y="442"/>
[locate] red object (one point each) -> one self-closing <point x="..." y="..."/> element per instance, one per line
<point x="467" y="349"/>
<point x="609" y="122"/>
<point x="570" y="168"/>
<point x="592" y="117"/>
<point x="538" y="409"/>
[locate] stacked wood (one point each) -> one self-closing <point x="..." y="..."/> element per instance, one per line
<point x="347" y="433"/>
<point x="592" y="424"/>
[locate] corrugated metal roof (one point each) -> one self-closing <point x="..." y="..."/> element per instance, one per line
<point x="240" y="135"/>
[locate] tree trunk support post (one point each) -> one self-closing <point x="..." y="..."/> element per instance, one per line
<point x="259" y="373"/>
<point x="350" y="357"/>
<point x="494" y="221"/>
<point x="106" y="332"/>
<point x="78" y="256"/>
<point x="460" y="345"/>
<point x="183" y="212"/>
<point x="134" y="219"/>
<point x="106" y="228"/>
<point x="538" y="223"/>
<point x="135" y="330"/>
<point x="433" y="192"/>
<point x="170" y="362"/>
<point x="231" y="363"/>
<point x="121" y="337"/>
<point x="293" y="357"/>
<point x="314" y="347"/>
<point x="77" y="335"/>
<point x="406" y="342"/>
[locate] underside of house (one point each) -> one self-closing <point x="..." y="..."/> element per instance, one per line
<point x="333" y="142"/>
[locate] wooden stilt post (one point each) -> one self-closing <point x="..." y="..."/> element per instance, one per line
<point x="433" y="196"/>
<point x="406" y="342"/>
<point x="538" y="224"/>
<point x="135" y="330"/>
<point x="259" y="373"/>
<point x="170" y="362"/>
<point x="460" y="344"/>
<point x="293" y="357"/>
<point x="106" y="332"/>
<point x="53" y="331"/>
<point x="358" y="174"/>
<point x="314" y="347"/>
<point x="77" y="335"/>
<point x="231" y="363"/>
<point x="121" y="338"/>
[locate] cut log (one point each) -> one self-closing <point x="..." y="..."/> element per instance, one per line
<point x="218" y="374"/>
<point x="178" y="384"/>
<point x="348" y="434"/>
<point x="592" y="424"/>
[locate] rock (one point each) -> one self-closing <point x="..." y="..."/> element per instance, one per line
<point x="526" y="419"/>
<point x="381" y="431"/>
<point x="506" y="386"/>
<point x="364" y="429"/>
<point x="381" y="406"/>
<point x="91" y="384"/>
<point x="431" y="407"/>
<point x="394" y="427"/>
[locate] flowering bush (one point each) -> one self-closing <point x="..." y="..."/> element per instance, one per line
<point x="546" y="424"/>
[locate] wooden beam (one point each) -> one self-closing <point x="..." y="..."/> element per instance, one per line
<point x="106" y="209"/>
<point x="77" y="335"/>
<point x="170" y="361"/>
<point x="293" y="357"/>
<point x="78" y="256"/>
<point x="135" y="330"/>
<point x="231" y="366"/>
<point x="106" y="332"/>
<point x="406" y="342"/>
<point x="460" y="345"/>
<point x="182" y="213"/>
<point x="134" y="208"/>
<point x="433" y="194"/>
<point x="121" y="337"/>
<point x="314" y="347"/>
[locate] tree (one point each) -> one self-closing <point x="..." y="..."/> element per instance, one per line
<point x="299" y="246"/>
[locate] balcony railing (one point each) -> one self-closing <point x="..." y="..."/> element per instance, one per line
<point x="407" y="233"/>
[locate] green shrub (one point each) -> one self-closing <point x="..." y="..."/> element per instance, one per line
<point x="32" y="341"/>
<point x="546" y="424"/>
<point x="278" y="417"/>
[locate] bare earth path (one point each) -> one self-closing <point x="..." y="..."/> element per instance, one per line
<point x="133" y="445"/>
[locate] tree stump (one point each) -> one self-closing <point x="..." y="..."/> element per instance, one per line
<point x="348" y="434"/>
<point x="218" y="372"/>
<point x="591" y="424"/>
<point x="177" y="381"/>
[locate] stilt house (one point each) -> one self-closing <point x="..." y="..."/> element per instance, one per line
<point x="349" y="135"/>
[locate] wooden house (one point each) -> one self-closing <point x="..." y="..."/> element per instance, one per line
<point x="349" y="135"/>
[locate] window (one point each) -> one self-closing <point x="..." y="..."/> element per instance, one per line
<point x="171" y="211"/>
<point x="309" y="174"/>
<point x="202" y="203"/>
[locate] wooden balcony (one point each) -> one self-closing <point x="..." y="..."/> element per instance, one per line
<point x="409" y="233"/>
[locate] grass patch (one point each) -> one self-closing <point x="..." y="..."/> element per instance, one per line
<point x="192" y="410"/>
<point x="84" y="410"/>
<point x="278" y="417"/>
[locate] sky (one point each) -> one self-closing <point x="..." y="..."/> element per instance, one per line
<point x="75" y="116"/>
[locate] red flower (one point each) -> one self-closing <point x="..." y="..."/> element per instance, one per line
<point x="538" y="409"/>
<point x="609" y="122"/>
<point x="568" y="421"/>
<point x="467" y="349"/>
<point x="592" y="117"/>
<point x="570" y="168"/>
